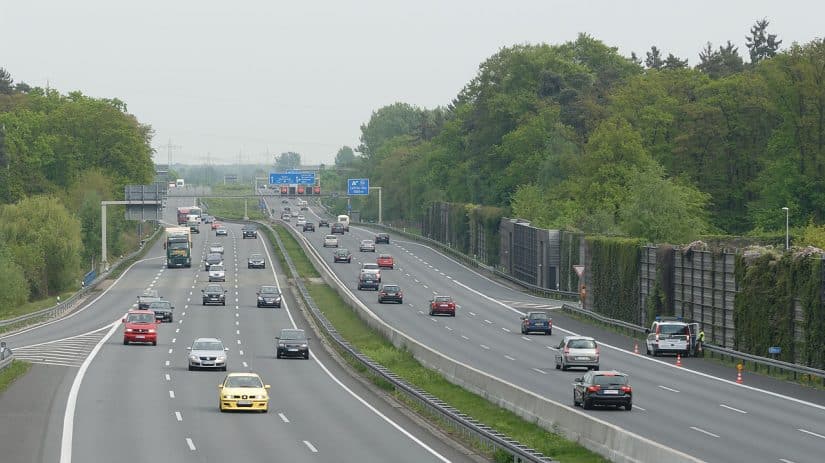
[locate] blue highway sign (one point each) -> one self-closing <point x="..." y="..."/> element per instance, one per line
<point x="292" y="178"/>
<point x="358" y="186"/>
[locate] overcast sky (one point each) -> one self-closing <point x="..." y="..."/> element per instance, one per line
<point x="243" y="78"/>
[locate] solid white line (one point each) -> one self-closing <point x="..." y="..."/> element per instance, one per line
<point x="171" y="394"/>
<point x="283" y="418"/>
<point x="734" y="409"/>
<point x="811" y="433"/>
<point x="178" y="416"/>
<point x="667" y="388"/>
<point x="539" y="371"/>
<point x="703" y="431"/>
<point x="71" y="402"/>
<point x="190" y="444"/>
<point x="310" y="446"/>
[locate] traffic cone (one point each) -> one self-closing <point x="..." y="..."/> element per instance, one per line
<point x="678" y="360"/>
<point x="636" y="348"/>
<point x="739" y="377"/>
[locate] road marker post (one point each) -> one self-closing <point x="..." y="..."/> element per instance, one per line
<point x="678" y="360"/>
<point x="636" y="348"/>
<point x="739" y="368"/>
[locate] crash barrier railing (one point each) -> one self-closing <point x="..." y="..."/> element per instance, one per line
<point x="798" y="372"/>
<point x="6" y="356"/>
<point x="615" y="443"/>
<point x="63" y="307"/>
<point x="458" y="422"/>
<point x="534" y="289"/>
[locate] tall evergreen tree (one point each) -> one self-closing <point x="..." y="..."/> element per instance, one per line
<point x="6" y="82"/>
<point x="673" y="62"/>
<point x="653" y="58"/>
<point x="761" y="44"/>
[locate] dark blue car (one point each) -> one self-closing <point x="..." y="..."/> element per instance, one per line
<point x="536" y="322"/>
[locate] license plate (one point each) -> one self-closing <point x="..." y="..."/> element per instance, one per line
<point x="611" y="391"/>
<point x="244" y="403"/>
<point x="140" y="337"/>
<point x="292" y="350"/>
<point x="208" y="364"/>
<point x="582" y="358"/>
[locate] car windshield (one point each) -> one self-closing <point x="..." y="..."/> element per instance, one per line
<point x="292" y="335"/>
<point x="342" y="252"/>
<point x="256" y="257"/>
<point x="384" y="256"/>
<point x="207" y="345"/>
<point x="269" y="290"/>
<point x="331" y="237"/>
<point x="214" y="289"/>
<point x="581" y="344"/>
<point x="610" y="380"/>
<point x="538" y="316"/>
<point x="243" y="381"/>
<point x="213" y="258"/>
<point x="178" y="245"/>
<point x="673" y="329"/>
<point x="140" y="318"/>
<point x="160" y="305"/>
<point x="443" y="299"/>
<point x="366" y="242"/>
<point x="369" y="266"/>
<point x="391" y="288"/>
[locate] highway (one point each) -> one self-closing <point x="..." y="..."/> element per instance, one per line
<point x="139" y="403"/>
<point x="697" y="409"/>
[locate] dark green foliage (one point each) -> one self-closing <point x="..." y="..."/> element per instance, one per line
<point x="570" y="256"/>
<point x="615" y="277"/>
<point x="810" y="279"/>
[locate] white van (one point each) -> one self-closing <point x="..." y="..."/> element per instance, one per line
<point x="344" y="219"/>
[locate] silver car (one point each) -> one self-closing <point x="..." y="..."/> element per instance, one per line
<point x="577" y="351"/>
<point x="367" y="246"/>
<point x="207" y="353"/>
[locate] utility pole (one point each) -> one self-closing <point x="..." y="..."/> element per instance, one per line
<point x="169" y="148"/>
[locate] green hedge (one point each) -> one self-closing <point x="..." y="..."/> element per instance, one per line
<point x="614" y="283"/>
<point x="570" y="256"/>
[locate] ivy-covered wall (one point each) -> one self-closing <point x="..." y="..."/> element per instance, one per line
<point x="614" y="277"/>
<point x="570" y="255"/>
<point x="469" y="228"/>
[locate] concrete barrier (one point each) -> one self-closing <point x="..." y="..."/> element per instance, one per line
<point x="602" y="437"/>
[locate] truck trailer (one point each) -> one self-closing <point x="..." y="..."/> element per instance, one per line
<point x="178" y="246"/>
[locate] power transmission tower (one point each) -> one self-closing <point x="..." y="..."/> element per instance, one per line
<point x="169" y="148"/>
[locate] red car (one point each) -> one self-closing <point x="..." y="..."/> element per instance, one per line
<point x="216" y="224"/>
<point x="385" y="261"/>
<point x="140" y="326"/>
<point x="442" y="305"/>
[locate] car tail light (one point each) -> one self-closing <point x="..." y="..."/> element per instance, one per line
<point x="595" y="388"/>
<point x="566" y="351"/>
<point x="597" y="350"/>
<point x="627" y="389"/>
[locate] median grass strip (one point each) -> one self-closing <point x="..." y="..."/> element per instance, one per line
<point x="400" y="362"/>
<point x="17" y="369"/>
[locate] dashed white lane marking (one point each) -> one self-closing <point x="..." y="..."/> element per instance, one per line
<point x="174" y="339"/>
<point x="539" y="371"/>
<point x="472" y="314"/>
<point x="178" y="416"/>
<point x="170" y="351"/>
<point x="190" y="444"/>
<point x="465" y="338"/>
<point x="182" y="314"/>
<point x="434" y="320"/>
<point x="506" y="329"/>
<point x="485" y="347"/>
<point x="734" y="409"/>
<point x="509" y="358"/>
<point x="488" y="322"/>
<point x="636" y="407"/>
<point x="171" y="394"/>
<point x="239" y="341"/>
<point x="667" y="388"/>
<point x="240" y="352"/>
<point x="237" y="323"/>
<point x="177" y="330"/>
<point x="245" y="365"/>
<point x="786" y="461"/>
<point x="811" y="433"/>
<point x="707" y="433"/>
<point x="237" y="331"/>
<point x="167" y="363"/>
<point x="283" y="418"/>
<point x="310" y="446"/>
<point x="425" y="286"/>
<point x="180" y="321"/>
<point x="421" y="312"/>
<point x="168" y="377"/>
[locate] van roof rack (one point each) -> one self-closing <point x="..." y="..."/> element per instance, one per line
<point x="665" y="318"/>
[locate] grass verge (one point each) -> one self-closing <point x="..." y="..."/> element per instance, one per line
<point x="34" y="306"/>
<point x="232" y="208"/>
<point x="400" y="362"/>
<point x="17" y="369"/>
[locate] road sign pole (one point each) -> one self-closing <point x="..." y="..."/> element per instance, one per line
<point x="380" y="205"/>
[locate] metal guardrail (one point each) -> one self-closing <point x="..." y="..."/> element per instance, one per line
<point x="68" y="305"/>
<point x="6" y="356"/>
<point x="768" y="363"/>
<point x="459" y="422"/>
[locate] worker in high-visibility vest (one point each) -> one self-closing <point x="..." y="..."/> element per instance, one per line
<point x="700" y="339"/>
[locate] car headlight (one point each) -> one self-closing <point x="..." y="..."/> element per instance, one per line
<point x="129" y="330"/>
<point x="303" y="345"/>
<point x="280" y="344"/>
<point x="221" y="359"/>
<point x="260" y="298"/>
<point x="193" y="357"/>
<point x="151" y="330"/>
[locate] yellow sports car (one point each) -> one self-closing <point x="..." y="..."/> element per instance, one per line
<point x="243" y="391"/>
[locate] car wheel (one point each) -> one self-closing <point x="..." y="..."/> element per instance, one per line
<point x="431" y="313"/>
<point x="125" y="342"/>
<point x="563" y="367"/>
<point x="523" y="332"/>
<point x="596" y="368"/>
<point x="220" y="407"/>
<point x="628" y="406"/>
<point x="380" y="301"/>
<point x="259" y="305"/>
<point x="224" y="368"/>
<point x="587" y="404"/>
<point x="171" y="319"/>
<point x="278" y="306"/>
<point x="154" y="343"/>
<point x="191" y="368"/>
<point x="264" y="266"/>
<point x="549" y="332"/>
<point x="223" y="303"/>
<point x="306" y="356"/>
<point x="401" y="301"/>
<point x="453" y="314"/>
<point x="575" y="402"/>
<point x="558" y="367"/>
<point x="277" y="355"/>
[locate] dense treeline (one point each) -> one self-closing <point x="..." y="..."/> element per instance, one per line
<point x="579" y="137"/>
<point x="60" y="155"/>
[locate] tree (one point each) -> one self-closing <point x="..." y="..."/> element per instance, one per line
<point x="15" y="288"/>
<point x="286" y="161"/>
<point x="761" y="45"/>
<point x="673" y="62"/>
<point x="722" y="62"/>
<point x="653" y="58"/>
<point x="6" y="82"/>
<point x="386" y="123"/>
<point x="345" y="157"/>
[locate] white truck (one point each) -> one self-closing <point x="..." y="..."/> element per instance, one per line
<point x="179" y="183"/>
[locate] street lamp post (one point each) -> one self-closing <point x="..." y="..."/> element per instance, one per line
<point x="787" y="234"/>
